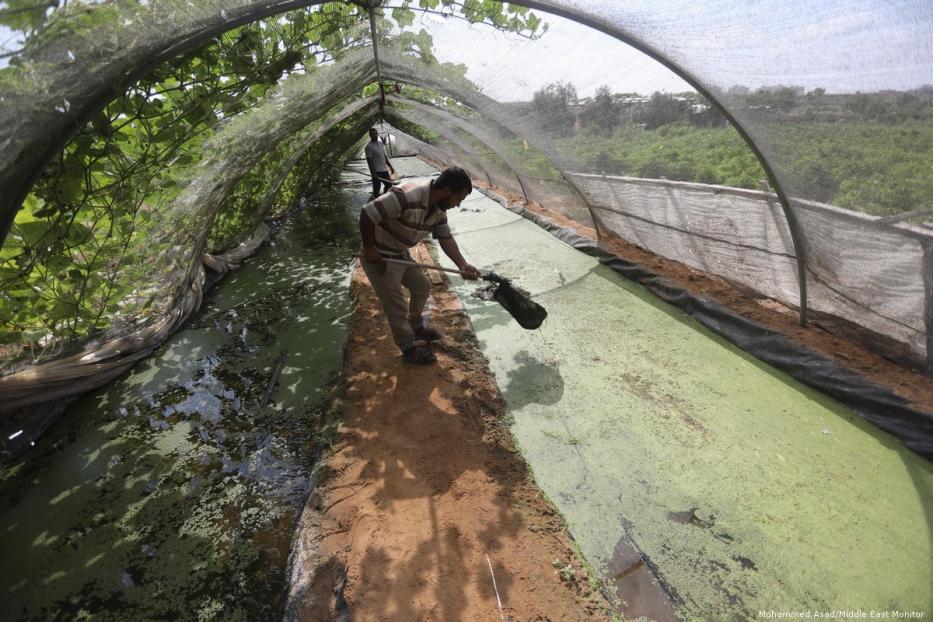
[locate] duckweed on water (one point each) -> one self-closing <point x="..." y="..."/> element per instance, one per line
<point x="667" y="448"/>
<point x="171" y="493"/>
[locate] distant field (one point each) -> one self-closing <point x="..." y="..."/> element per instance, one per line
<point x="874" y="168"/>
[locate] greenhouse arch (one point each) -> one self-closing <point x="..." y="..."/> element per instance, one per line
<point x="129" y="75"/>
<point x="893" y="302"/>
<point x="720" y="210"/>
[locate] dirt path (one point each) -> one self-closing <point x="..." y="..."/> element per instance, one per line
<point x="422" y="483"/>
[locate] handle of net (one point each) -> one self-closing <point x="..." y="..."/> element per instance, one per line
<point x="488" y="276"/>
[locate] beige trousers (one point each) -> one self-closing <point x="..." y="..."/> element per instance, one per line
<point x="400" y="313"/>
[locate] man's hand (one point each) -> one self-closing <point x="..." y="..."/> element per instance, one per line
<point x="372" y="254"/>
<point x="391" y="171"/>
<point x="450" y="248"/>
<point x="469" y="272"/>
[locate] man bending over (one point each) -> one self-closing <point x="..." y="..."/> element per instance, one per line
<point x="393" y="223"/>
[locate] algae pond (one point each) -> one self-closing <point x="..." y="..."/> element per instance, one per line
<point x="173" y="492"/>
<point x="672" y="453"/>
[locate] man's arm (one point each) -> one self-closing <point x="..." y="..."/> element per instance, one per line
<point x="368" y="233"/>
<point x="386" y="157"/>
<point x="368" y="154"/>
<point x="451" y="249"/>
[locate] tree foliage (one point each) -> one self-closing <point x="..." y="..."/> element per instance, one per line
<point x="99" y="235"/>
<point x="661" y="109"/>
<point x="865" y="152"/>
<point x="602" y="112"/>
<point x="554" y="106"/>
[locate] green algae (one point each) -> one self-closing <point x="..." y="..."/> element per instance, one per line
<point x="171" y="493"/>
<point x="741" y="489"/>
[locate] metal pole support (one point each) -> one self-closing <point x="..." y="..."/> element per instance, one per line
<point x="928" y="304"/>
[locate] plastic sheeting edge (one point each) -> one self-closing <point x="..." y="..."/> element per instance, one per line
<point x="43" y="412"/>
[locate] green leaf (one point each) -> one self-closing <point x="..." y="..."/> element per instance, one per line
<point x="9" y="275"/>
<point x="63" y="310"/>
<point x="404" y="16"/>
<point x="31" y="232"/>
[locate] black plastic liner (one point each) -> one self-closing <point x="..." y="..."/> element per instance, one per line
<point x="885" y="409"/>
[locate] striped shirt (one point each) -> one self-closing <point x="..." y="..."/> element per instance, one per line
<point x="402" y="218"/>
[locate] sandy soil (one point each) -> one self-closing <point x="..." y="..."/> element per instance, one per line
<point x="422" y="484"/>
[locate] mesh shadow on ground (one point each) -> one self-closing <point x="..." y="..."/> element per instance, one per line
<point x="418" y="450"/>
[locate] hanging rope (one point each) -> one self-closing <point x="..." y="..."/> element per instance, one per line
<point x="372" y="31"/>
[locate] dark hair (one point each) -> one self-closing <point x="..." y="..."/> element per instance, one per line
<point x="454" y="178"/>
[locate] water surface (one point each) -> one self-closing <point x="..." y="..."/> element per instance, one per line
<point x="173" y="492"/>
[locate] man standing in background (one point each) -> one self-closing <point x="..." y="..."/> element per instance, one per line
<point x="379" y="165"/>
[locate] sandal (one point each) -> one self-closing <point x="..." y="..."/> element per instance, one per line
<point x="419" y="355"/>
<point x="427" y="334"/>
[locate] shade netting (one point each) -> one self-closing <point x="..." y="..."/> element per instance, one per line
<point x="783" y="146"/>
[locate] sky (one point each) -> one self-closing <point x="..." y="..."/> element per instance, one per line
<point x="511" y="68"/>
<point x="839" y="45"/>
